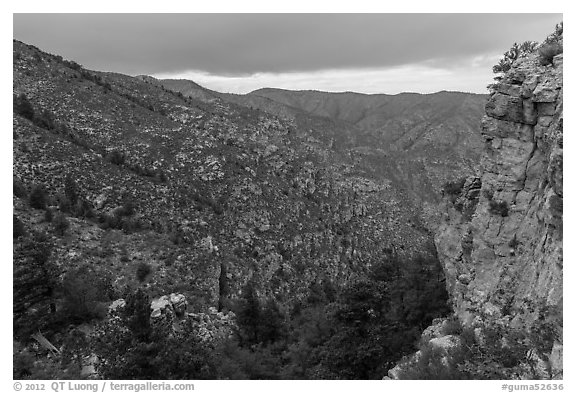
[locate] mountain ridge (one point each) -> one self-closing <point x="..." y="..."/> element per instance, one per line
<point x="439" y="129"/>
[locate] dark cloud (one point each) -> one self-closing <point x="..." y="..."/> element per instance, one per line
<point x="244" y="44"/>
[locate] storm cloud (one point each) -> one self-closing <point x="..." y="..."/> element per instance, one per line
<point x="238" y="46"/>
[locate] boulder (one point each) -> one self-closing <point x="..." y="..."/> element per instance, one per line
<point x="179" y="303"/>
<point x="173" y="304"/>
<point x="160" y="306"/>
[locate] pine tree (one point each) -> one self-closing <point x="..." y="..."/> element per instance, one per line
<point x="34" y="282"/>
<point x="249" y="314"/>
<point x="137" y="315"/>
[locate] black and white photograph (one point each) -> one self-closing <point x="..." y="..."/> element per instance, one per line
<point x="287" y="196"/>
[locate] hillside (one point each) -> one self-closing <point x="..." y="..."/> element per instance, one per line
<point x="415" y="141"/>
<point x="127" y="193"/>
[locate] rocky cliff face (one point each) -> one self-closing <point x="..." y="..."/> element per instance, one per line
<point x="501" y="241"/>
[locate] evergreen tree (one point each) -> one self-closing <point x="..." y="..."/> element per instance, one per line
<point x="34" y="283"/>
<point x="249" y="314"/>
<point x="137" y="315"/>
<point x="38" y="197"/>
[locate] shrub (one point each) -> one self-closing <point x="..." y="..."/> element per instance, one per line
<point x="19" y="189"/>
<point x="170" y="259"/>
<point x="115" y="157"/>
<point x="142" y="271"/>
<point x="488" y="194"/>
<point x="38" y="197"/>
<point x="22" y="107"/>
<point x="126" y="210"/>
<point x="83" y="289"/>
<point x="557" y="35"/>
<point x="513" y="243"/>
<point x="110" y="221"/>
<point x="60" y="224"/>
<point x="71" y="189"/>
<point x="83" y="208"/>
<point x="433" y="364"/>
<point x="48" y="215"/>
<point x="45" y="120"/>
<point x="130" y="225"/>
<point x="18" y="229"/>
<point x="124" y="255"/>
<point x="513" y="54"/>
<point x="547" y="52"/>
<point x="454" y="187"/>
<point x="498" y="208"/>
<point x="452" y="326"/>
<point x="64" y="204"/>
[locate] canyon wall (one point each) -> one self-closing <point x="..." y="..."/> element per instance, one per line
<point x="500" y="242"/>
<point x="501" y="239"/>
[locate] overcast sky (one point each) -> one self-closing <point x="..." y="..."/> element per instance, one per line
<point x="370" y="53"/>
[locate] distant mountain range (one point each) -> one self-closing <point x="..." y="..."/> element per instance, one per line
<point x="417" y="141"/>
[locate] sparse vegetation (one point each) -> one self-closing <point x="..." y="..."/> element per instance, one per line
<point x="513" y="54"/>
<point x="557" y="35"/>
<point x="549" y="48"/>
<point x="498" y="208"/>
<point x="492" y="350"/>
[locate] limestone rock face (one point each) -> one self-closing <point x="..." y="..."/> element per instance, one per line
<point x="503" y="254"/>
<point x="169" y="304"/>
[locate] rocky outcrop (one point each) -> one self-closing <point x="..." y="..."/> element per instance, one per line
<point x="169" y="304"/>
<point x="503" y="255"/>
<point x="209" y="326"/>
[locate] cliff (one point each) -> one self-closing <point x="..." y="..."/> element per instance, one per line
<point x="500" y="242"/>
<point x="509" y="251"/>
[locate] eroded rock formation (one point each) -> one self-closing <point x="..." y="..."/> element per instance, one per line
<point x="507" y="254"/>
<point x="501" y="242"/>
